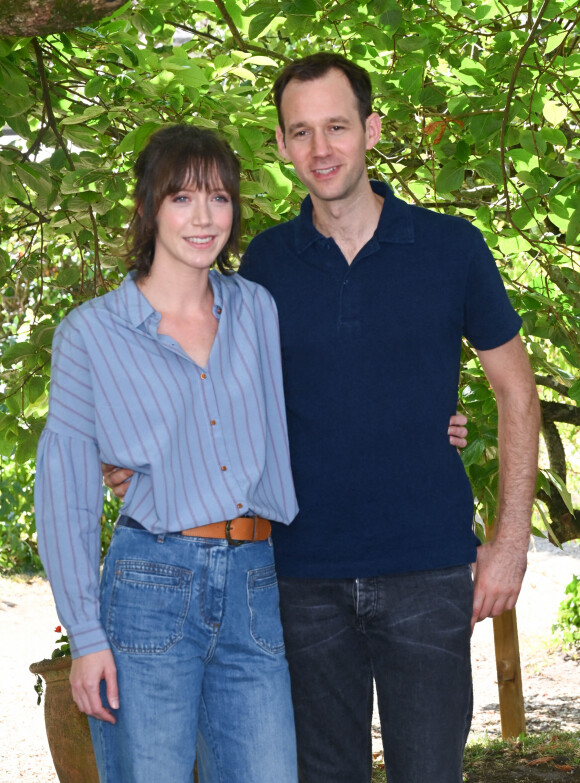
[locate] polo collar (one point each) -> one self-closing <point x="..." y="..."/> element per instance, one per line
<point x="395" y="222"/>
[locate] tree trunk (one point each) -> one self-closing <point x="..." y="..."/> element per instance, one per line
<point x="42" y="17"/>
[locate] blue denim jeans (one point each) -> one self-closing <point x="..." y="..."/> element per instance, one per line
<point x="408" y="632"/>
<point x="195" y="630"/>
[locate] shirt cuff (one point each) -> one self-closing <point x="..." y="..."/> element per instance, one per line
<point x="86" y="639"/>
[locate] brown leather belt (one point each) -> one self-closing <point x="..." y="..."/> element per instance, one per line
<point x="238" y="530"/>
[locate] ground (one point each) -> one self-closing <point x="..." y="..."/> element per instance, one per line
<point x="551" y="680"/>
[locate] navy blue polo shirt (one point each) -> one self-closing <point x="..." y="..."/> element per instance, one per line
<point x="371" y="355"/>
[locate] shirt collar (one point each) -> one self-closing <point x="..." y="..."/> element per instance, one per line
<point x="395" y="223"/>
<point x="137" y="310"/>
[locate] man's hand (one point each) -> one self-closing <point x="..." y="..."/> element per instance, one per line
<point x="457" y="431"/>
<point x="85" y="679"/>
<point x="501" y="563"/>
<point x="498" y="574"/>
<point x="118" y="479"/>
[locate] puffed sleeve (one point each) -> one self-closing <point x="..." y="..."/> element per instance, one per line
<point x="68" y="492"/>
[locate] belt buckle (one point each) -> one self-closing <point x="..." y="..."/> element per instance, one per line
<point x="231" y="541"/>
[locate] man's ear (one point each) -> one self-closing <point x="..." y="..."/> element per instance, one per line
<point x="281" y="143"/>
<point x="372" y="129"/>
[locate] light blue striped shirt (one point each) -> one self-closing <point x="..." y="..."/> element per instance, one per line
<point x="206" y="444"/>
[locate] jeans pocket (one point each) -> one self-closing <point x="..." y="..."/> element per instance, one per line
<point x="264" y="604"/>
<point x="148" y="606"/>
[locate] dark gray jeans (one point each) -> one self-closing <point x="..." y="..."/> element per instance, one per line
<point x="411" y="633"/>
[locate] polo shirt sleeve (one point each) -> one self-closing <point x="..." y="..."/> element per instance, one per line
<point x="489" y="318"/>
<point x="68" y="494"/>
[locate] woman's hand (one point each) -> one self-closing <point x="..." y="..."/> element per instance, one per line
<point x="85" y="679"/>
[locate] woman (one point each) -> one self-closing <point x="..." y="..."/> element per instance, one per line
<point x="176" y="375"/>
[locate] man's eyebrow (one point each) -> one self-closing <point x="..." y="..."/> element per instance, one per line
<point x="338" y="120"/>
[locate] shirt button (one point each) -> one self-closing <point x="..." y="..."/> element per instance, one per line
<point x="239" y="505"/>
<point x="213" y="422"/>
<point x="218" y="310"/>
<point x="224" y="467"/>
<point x="203" y="376"/>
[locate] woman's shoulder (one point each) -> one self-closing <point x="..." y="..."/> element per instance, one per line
<point x="237" y="285"/>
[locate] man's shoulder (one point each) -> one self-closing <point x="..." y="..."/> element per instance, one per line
<point x="281" y="233"/>
<point x="426" y="217"/>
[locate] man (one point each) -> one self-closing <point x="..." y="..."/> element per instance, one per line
<point x="374" y="297"/>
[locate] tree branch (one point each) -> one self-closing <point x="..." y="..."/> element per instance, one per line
<point x="239" y="41"/>
<point x="557" y="411"/>
<point x="47" y="101"/>
<point x="510" y="93"/>
<point x="551" y="383"/>
<point x="565" y="525"/>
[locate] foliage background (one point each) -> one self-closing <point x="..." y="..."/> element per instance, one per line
<point x="480" y="110"/>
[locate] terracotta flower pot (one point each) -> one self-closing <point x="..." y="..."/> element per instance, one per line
<point x="67" y="729"/>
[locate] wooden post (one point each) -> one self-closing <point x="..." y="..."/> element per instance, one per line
<point x="509" y="675"/>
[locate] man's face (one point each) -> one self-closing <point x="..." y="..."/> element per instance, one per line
<point x="325" y="138"/>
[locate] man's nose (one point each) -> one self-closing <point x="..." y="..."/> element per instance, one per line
<point x="320" y="144"/>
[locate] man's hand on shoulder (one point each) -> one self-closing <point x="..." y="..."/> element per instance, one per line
<point x="458" y="431"/>
<point x="117" y="479"/>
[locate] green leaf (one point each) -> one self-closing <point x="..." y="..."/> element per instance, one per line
<point x="490" y="169"/>
<point x="573" y="229"/>
<point x="554" y="112"/>
<point x="300" y="7"/>
<point x="68" y="277"/>
<point x="16" y="352"/>
<point x="261" y="60"/>
<point x="554" y="42"/>
<point x="413" y="43"/>
<point x="473" y="452"/>
<point x="392" y="16"/>
<point x="36" y="387"/>
<point x="450" y="177"/>
<point x="276" y="183"/>
<point x="532" y="142"/>
<point x="260" y="22"/>
<point x="484" y="126"/>
<point x="81" y="136"/>
<point x="554" y="136"/>
<point x="136" y="139"/>
<point x="88" y="114"/>
<point x="562" y="489"/>
<point x="412" y="79"/>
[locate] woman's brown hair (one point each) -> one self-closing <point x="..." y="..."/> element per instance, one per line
<point x="176" y="157"/>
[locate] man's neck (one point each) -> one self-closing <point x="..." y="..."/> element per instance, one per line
<point x="350" y="222"/>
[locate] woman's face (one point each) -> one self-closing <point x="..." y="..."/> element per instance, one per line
<point x="193" y="226"/>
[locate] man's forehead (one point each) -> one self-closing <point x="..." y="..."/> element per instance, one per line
<point x="328" y="97"/>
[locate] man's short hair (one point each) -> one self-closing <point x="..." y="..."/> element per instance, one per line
<point x="317" y="65"/>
